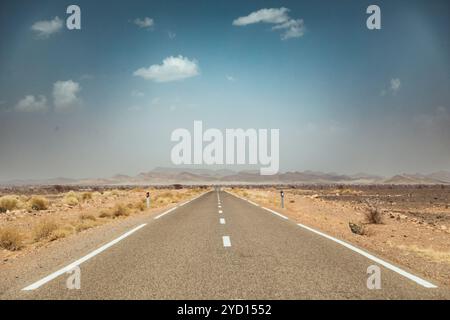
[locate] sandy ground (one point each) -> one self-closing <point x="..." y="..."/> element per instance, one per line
<point x="414" y="233"/>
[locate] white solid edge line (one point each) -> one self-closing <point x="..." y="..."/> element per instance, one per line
<point x="71" y="266"/>
<point x="276" y="213"/>
<point x="226" y="241"/>
<point x="253" y="203"/>
<point x="222" y="221"/>
<point x="164" y="213"/>
<point x="387" y="265"/>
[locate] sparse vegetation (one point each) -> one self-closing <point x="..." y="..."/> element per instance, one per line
<point x="71" y="199"/>
<point x="44" y="230"/>
<point x="11" y="239"/>
<point x="120" y="210"/>
<point x="38" y="203"/>
<point x="373" y="215"/>
<point x="8" y="203"/>
<point x="86" y="196"/>
<point x="87" y="216"/>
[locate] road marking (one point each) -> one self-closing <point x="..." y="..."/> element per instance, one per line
<point x="222" y="221"/>
<point x="226" y="241"/>
<point x="164" y="213"/>
<point x="276" y="213"/>
<point x="219" y="206"/>
<point x="387" y="265"/>
<point x="220" y="211"/>
<point x="71" y="266"/>
<point x="255" y="204"/>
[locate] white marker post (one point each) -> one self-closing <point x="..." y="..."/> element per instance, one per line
<point x="148" y="200"/>
<point x="282" y="199"/>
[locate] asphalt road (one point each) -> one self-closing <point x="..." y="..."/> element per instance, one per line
<point x="221" y="247"/>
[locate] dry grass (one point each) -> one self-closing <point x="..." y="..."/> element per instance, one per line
<point x="38" y="203"/>
<point x="373" y="215"/>
<point x="86" y="196"/>
<point x="44" y="230"/>
<point x="105" y="214"/>
<point x="120" y="210"/>
<point x="71" y="199"/>
<point x="432" y="254"/>
<point x="11" y="239"/>
<point x="85" y="225"/>
<point x="141" y="205"/>
<point x="8" y="203"/>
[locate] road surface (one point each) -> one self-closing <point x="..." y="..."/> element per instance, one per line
<point x="221" y="247"/>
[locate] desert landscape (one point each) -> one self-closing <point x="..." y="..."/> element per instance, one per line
<point x="407" y="224"/>
<point x="32" y="218"/>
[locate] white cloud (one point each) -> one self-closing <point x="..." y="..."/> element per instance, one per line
<point x="230" y="78"/>
<point x="137" y="94"/>
<point x="46" y="28"/>
<point x="272" y="15"/>
<point x="395" y="85"/>
<point x="145" y="23"/>
<point x="172" y="35"/>
<point x="32" y="104"/>
<point x="293" y="28"/>
<point x="65" y="95"/>
<point x="172" y="69"/>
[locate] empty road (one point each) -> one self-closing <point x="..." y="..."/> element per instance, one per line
<point x="221" y="247"/>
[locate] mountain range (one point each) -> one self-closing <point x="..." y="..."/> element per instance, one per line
<point x="166" y="176"/>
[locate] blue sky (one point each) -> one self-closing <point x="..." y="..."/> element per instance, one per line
<point x="345" y="98"/>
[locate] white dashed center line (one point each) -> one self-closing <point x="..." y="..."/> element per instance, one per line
<point x="222" y="221"/>
<point x="220" y="211"/>
<point x="226" y="241"/>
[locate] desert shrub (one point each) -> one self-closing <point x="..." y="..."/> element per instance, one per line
<point x="38" y="203"/>
<point x="86" y="196"/>
<point x="85" y="224"/>
<point x="11" y="239"/>
<point x="71" y="199"/>
<point x="44" y="230"/>
<point x="141" y="205"/>
<point x="373" y="215"/>
<point x="115" y="192"/>
<point x="105" y="214"/>
<point x="8" y="203"/>
<point x="120" y="210"/>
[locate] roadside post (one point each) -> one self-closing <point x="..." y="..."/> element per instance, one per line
<point x="148" y="200"/>
<point x="282" y="199"/>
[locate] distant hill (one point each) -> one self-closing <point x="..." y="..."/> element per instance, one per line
<point x="166" y="176"/>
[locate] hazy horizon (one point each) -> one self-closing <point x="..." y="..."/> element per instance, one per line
<point x="103" y="100"/>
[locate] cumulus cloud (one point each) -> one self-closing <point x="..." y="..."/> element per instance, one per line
<point x="32" y="104"/>
<point x="145" y="23"/>
<point x="46" y="28"/>
<point x="171" y="69"/>
<point x="230" y="78"/>
<point x="65" y="95"/>
<point x="293" y="28"/>
<point x="272" y="15"/>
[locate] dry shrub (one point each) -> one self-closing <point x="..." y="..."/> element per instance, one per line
<point x="86" y="196"/>
<point x="61" y="233"/>
<point x="120" y="210"/>
<point x="71" y="199"/>
<point x="38" y="203"/>
<point x="105" y="214"/>
<point x="85" y="224"/>
<point x="45" y="230"/>
<point x="8" y="203"/>
<point x="115" y="192"/>
<point x="141" y="205"/>
<point x="11" y="239"/>
<point x="373" y="215"/>
<point x="357" y="228"/>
